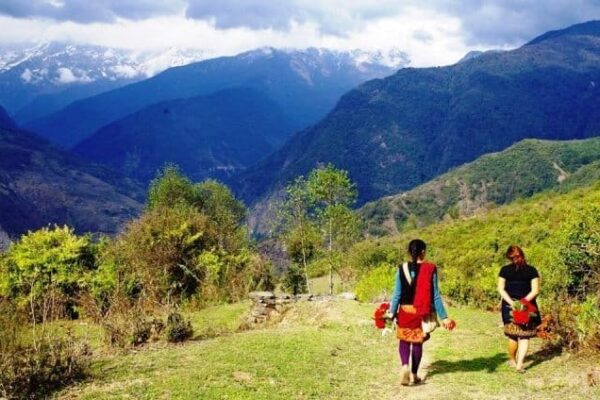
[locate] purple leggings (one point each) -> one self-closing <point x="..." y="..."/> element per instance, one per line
<point x="417" y="352"/>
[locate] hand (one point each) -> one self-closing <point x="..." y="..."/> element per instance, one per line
<point x="388" y="315"/>
<point x="449" y="323"/>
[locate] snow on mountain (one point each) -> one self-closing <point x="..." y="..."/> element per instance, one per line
<point x="37" y="80"/>
<point x="60" y="63"/>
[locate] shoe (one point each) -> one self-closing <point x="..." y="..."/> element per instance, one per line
<point x="405" y="379"/>
<point x="416" y="380"/>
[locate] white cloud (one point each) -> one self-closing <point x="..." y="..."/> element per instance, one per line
<point x="66" y="76"/>
<point x="431" y="32"/>
<point x="125" y="71"/>
<point x="26" y="75"/>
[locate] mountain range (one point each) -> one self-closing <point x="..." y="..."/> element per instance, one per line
<point x="521" y="171"/>
<point x="395" y="133"/>
<point x="41" y="79"/>
<point x="306" y="84"/>
<point x="41" y="185"/>
<point x="206" y="136"/>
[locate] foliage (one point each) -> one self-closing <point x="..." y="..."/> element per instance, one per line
<point x="294" y="280"/>
<point x="44" y="271"/>
<point x="317" y="222"/>
<point x="581" y="252"/>
<point x="522" y="170"/>
<point x="376" y="284"/>
<point x="558" y="233"/>
<point x="35" y="371"/>
<point x="227" y="213"/>
<point x="31" y="364"/>
<point x="587" y="322"/>
<point x="160" y="250"/>
<point x="170" y="188"/>
<point x="178" y="328"/>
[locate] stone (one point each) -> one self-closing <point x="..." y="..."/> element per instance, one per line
<point x="347" y="296"/>
<point x="261" y="295"/>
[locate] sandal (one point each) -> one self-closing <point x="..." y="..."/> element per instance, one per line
<point x="405" y="380"/>
<point x="521" y="371"/>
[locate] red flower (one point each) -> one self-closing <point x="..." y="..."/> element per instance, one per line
<point x="379" y="316"/>
<point x="520" y="317"/>
<point x="522" y="311"/>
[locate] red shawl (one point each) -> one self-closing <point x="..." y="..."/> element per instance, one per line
<point x="424" y="289"/>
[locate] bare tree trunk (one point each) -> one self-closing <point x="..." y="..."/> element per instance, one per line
<point x="304" y="257"/>
<point x="31" y="304"/>
<point x="330" y="247"/>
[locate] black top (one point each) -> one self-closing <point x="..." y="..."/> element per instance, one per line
<point x="407" y="295"/>
<point x="518" y="285"/>
<point x="518" y="280"/>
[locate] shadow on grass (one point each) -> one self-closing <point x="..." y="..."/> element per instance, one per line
<point x="489" y="364"/>
<point x="542" y="355"/>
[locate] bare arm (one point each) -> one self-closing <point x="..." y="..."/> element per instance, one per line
<point x="502" y="290"/>
<point x="535" y="289"/>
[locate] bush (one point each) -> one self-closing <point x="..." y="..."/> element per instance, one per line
<point x="44" y="271"/>
<point x="128" y="328"/>
<point x="587" y="323"/>
<point x="32" y="369"/>
<point x="28" y="371"/>
<point x="178" y="329"/>
<point x="377" y="284"/>
<point x="294" y="281"/>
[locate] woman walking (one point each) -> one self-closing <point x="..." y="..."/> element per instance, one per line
<point x="416" y="295"/>
<point x="519" y="285"/>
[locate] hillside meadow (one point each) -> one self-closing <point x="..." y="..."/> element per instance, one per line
<point x="330" y="349"/>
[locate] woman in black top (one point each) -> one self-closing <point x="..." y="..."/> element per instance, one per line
<point x="518" y="282"/>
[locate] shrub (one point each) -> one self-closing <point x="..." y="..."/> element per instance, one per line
<point x="178" y="329"/>
<point x="44" y="271"/>
<point x="126" y="323"/>
<point x="294" y="281"/>
<point x="33" y="372"/>
<point x="32" y="369"/>
<point x="376" y="284"/>
<point x="587" y="323"/>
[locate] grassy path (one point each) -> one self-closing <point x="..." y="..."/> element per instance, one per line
<point x="330" y="350"/>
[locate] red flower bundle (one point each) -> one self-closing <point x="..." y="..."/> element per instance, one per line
<point x="379" y="315"/>
<point x="522" y="311"/>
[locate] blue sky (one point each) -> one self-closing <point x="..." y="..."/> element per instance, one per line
<point x="432" y="32"/>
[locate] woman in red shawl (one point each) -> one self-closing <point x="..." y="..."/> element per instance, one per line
<point x="416" y="295"/>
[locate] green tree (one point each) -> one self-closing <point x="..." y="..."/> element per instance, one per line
<point x="333" y="193"/>
<point x="169" y="188"/>
<point x="300" y="233"/>
<point x="216" y="201"/>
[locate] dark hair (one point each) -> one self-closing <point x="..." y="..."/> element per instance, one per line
<point x="416" y="247"/>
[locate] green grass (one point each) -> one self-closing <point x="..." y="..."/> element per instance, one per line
<point x="330" y="350"/>
<point x="470" y="363"/>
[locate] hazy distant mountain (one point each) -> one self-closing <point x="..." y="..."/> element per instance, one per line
<point x="522" y="170"/>
<point x="41" y="185"/>
<point x="395" y="133"/>
<point x="206" y="136"/>
<point x="5" y="120"/>
<point x="305" y="83"/>
<point x="38" y="80"/>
